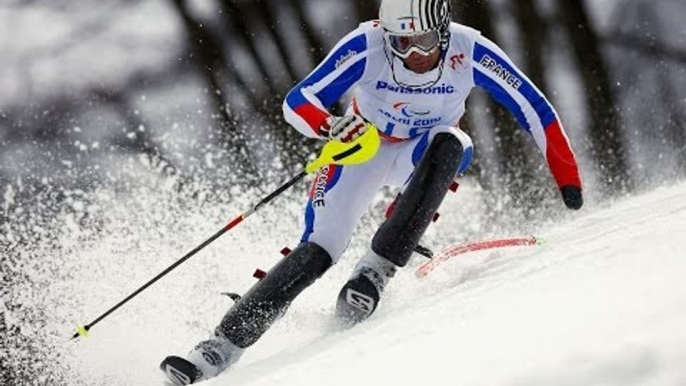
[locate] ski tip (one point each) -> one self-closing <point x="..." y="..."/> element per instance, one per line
<point x="540" y="240"/>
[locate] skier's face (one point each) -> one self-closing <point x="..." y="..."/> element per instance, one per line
<point x="421" y="64"/>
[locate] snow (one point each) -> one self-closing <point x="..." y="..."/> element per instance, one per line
<point x="601" y="303"/>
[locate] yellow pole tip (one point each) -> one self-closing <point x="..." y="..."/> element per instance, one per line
<point x="82" y="331"/>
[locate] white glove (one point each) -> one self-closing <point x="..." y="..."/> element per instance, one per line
<point x="344" y="129"/>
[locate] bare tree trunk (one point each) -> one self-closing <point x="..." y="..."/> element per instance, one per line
<point x="269" y="106"/>
<point x="673" y="134"/>
<point x="294" y="146"/>
<point x="212" y="65"/>
<point x="649" y="48"/>
<point x="676" y="119"/>
<point x="605" y="131"/>
<point x="366" y="9"/>
<point x="236" y="22"/>
<point x="315" y="44"/>
<point x="533" y="33"/>
<point x="267" y="14"/>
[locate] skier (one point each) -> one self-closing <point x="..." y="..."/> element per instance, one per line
<point x="411" y="71"/>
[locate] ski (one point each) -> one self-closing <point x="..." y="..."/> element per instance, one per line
<point x="462" y="249"/>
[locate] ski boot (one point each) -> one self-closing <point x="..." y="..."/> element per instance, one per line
<point x="360" y="296"/>
<point x="206" y="360"/>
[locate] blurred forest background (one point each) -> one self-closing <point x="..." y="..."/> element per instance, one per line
<point x="93" y="92"/>
<point x="194" y="87"/>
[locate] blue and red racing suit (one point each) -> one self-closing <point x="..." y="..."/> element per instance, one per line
<point x="408" y="118"/>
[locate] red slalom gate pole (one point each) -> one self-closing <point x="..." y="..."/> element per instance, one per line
<point x="456" y="250"/>
<point x="83" y="330"/>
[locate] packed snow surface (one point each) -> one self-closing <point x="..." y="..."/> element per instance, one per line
<point x="602" y="302"/>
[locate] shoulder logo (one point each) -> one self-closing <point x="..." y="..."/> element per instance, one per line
<point x="344" y="58"/>
<point x="457" y="62"/>
<point x="501" y="72"/>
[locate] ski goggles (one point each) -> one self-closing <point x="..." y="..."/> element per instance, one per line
<point x="405" y="45"/>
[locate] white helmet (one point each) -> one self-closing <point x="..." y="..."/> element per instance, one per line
<point x="412" y="25"/>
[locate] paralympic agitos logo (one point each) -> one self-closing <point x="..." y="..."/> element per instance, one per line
<point x="409" y="116"/>
<point x="404" y="108"/>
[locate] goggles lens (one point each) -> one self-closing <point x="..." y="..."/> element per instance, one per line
<point x="425" y="42"/>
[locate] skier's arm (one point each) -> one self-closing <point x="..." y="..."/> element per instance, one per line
<point x="305" y="107"/>
<point x="496" y="73"/>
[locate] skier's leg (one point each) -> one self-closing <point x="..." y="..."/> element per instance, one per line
<point x="269" y="298"/>
<point x="426" y="184"/>
<point x="338" y="198"/>
<point x="251" y="316"/>
<point x="448" y="155"/>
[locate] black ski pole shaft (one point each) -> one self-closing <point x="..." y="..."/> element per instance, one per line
<point x="84" y="329"/>
<point x="424" y="251"/>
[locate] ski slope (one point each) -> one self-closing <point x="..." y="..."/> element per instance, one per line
<point x="603" y="302"/>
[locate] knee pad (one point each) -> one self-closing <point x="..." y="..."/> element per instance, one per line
<point x="398" y="236"/>
<point x="269" y="298"/>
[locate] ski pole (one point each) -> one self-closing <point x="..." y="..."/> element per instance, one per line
<point x="83" y="330"/>
<point x="359" y="151"/>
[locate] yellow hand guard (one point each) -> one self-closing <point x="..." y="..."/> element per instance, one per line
<point x="358" y="151"/>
